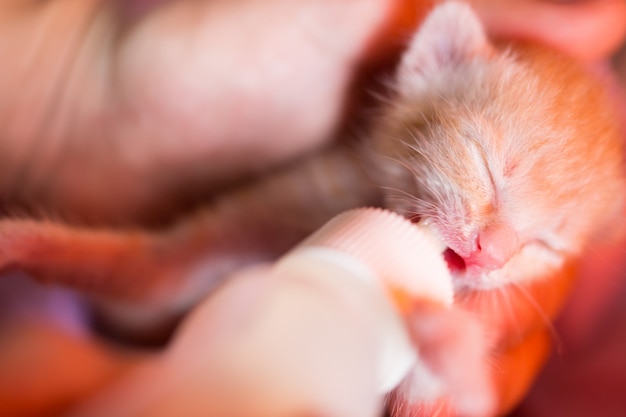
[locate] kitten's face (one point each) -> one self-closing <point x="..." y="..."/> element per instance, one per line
<point x="507" y="155"/>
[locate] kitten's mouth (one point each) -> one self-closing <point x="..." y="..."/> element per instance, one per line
<point x="456" y="264"/>
<point x="465" y="276"/>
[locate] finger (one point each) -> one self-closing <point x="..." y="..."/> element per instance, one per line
<point x="587" y="30"/>
<point x="99" y="262"/>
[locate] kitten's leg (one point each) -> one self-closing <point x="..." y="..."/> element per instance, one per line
<point x="175" y="267"/>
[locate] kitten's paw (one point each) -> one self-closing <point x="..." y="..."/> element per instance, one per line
<point x="452" y="377"/>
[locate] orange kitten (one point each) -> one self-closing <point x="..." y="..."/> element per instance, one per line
<point x="512" y="155"/>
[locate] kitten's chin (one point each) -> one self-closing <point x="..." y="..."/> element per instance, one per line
<point x="473" y="277"/>
<point x="532" y="262"/>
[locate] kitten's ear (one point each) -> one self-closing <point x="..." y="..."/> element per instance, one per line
<point x="450" y="35"/>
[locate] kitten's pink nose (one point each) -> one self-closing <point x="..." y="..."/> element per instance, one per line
<point x="495" y="245"/>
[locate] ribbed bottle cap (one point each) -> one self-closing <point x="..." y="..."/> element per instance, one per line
<point x="405" y="256"/>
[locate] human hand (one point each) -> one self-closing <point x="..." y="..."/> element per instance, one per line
<point x="327" y="330"/>
<point x="114" y="117"/>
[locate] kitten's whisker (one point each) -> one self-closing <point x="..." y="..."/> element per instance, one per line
<point x="414" y="147"/>
<point x="504" y="296"/>
<point x="558" y="343"/>
<point x="419" y="171"/>
<point x="421" y="204"/>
